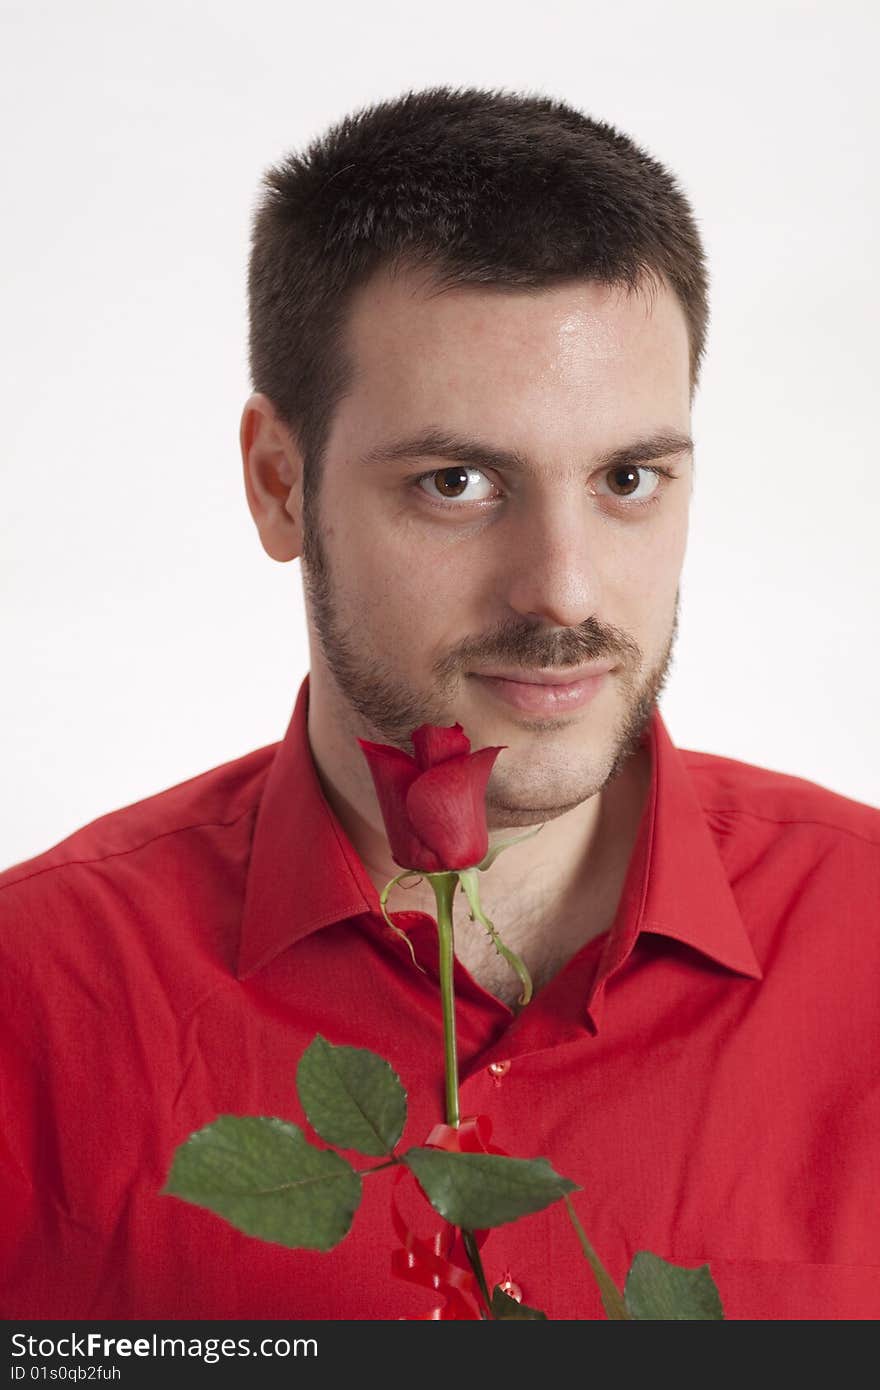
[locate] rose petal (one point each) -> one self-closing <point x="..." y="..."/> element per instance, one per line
<point x="393" y="773"/>
<point x="446" y="807"/>
<point x="435" y="743"/>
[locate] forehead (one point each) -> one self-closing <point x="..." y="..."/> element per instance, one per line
<point x="573" y="356"/>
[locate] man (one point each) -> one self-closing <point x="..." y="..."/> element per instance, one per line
<point x="477" y="322"/>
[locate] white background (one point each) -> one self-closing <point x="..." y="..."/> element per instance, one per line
<point x="146" y="636"/>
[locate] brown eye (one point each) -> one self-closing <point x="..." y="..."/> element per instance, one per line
<point x="638" y="483"/>
<point x="451" y="482"/>
<point x="624" y="480"/>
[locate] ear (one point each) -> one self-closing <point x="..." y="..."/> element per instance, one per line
<point x="272" y="478"/>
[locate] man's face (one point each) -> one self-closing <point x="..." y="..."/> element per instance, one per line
<point x="424" y="570"/>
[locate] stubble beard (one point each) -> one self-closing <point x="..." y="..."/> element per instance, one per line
<point x="388" y="711"/>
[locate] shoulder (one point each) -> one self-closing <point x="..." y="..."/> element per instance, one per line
<point x="139" y="906"/>
<point x="791" y="848"/>
<point x="734" y="791"/>
<point x="172" y="817"/>
<point x="803" y="866"/>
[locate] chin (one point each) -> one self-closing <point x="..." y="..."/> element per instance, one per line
<point x="511" y="817"/>
<point x="519" y="804"/>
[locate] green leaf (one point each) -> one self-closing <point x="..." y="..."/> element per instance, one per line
<point x="481" y="1190"/>
<point x="351" y="1097"/>
<point x="263" y="1176"/>
<point x="612" y="1299"/>
<point x="658" y="1291"/>
<point x="507" y="1309"/>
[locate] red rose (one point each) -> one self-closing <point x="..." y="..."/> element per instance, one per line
<point x="433" y="805"/>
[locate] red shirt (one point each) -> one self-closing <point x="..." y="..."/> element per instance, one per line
<point x="707" y="1071"/>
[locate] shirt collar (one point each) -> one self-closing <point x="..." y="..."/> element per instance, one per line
<point x="304" y="873"/>
<point x="676" y="884"/>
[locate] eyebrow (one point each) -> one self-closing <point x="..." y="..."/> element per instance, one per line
<point x="465" y="448"/>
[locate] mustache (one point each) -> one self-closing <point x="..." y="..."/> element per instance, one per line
<point x="531" y="647"/>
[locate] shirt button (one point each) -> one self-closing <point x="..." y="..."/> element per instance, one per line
<point x="498" y="1071"/>
<point x="512" y="1289"/>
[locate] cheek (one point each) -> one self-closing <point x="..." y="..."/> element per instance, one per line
<point x="643" y="577"/>
<point x="421" y="568"/>
<point x="648" y="558"/>
<point x="407" y="587"/>
<point x="397" y="593"/>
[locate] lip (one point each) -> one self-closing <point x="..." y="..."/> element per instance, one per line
<point x="544" y="692"/>
<point x="522" y="677"/>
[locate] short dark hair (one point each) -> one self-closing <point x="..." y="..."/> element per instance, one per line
<point x="479" y="187"/>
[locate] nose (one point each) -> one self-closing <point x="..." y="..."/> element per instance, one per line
<point x="551" y="564"/>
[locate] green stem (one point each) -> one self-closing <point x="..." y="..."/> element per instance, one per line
<point x="444" y="886"/>
<point x="473" y="1254"/>
<point x="612" y="1299"/>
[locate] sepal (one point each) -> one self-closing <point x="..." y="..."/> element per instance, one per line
<point x="489" y="860"/>
<point x="383" y="898"/>
<point x="470" y="884"/>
